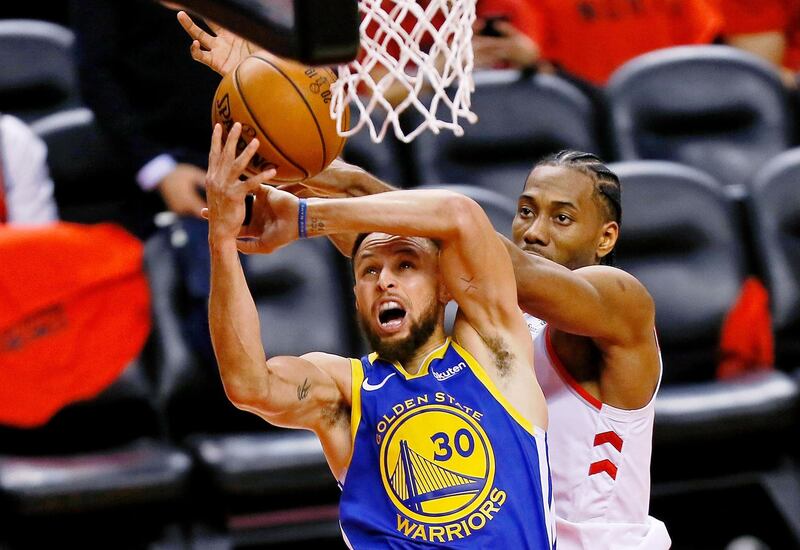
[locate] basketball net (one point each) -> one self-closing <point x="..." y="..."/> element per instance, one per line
<point x="416" y="55"/>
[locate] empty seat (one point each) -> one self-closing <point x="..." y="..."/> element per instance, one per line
<point x="389" y="160"/>
<point x="775" y="214"/>
<point x="681" y="237"/>
<point x="103" y="457"/>
<point x="39" y="74"/>
<point x="716" y="108"/>
<point x="521" y="118"/>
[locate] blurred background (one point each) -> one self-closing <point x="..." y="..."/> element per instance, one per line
<point x="105" y="119"/>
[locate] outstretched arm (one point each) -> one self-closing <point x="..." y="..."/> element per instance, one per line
<point x="340" y="180"/>
<point x="475" y="265"/>
<point x="300" y="392"/>
<point x="598" y="302"/>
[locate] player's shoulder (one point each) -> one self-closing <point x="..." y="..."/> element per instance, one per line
<point x="329" y="362"/>
<point x="623" y="292"/>
<point x="613" y="277"/>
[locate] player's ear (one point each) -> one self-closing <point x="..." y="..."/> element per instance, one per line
<point x="608" y="239"/>
<point x="443" y="295"/>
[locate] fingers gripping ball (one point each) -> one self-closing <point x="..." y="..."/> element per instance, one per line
<point x="286" y="106"/>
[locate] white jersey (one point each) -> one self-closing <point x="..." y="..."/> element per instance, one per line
<point x="600" y="461"/>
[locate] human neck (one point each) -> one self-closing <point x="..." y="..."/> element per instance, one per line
<point x="414" y="363"/>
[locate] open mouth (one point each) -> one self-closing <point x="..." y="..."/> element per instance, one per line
<point x="391" y="315"/>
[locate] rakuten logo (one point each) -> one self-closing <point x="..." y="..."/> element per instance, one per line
<point x="450" y="372"/>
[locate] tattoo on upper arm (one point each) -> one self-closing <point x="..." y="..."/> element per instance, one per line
<point x="503" y="359"/>
<point x="468" y="286"/>
<point x="302" y="390"/>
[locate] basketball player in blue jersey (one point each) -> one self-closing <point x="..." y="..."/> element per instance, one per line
<point x="437" y="441"/>
<point x="596" y="356"/>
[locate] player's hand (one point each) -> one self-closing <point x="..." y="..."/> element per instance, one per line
<point x="338" y="180"/>
<point x="225" y="190"/>
<point x="514" y="48"/>
<point x="180" y="190"/>
<point x="273" y="221"/>
<point x="222" y="52"/>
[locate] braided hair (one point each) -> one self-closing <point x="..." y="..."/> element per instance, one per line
<point x="607" y="185"/>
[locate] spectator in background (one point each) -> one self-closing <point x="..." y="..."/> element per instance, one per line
<point x="151" y="98"/>
<point x="154" y="101"/>
<point x="26" y="190"/>
<point x="791" y="57"/>
<point x="589" y="39"/>
<point x="764" y="28"/>
<point x="768" y="28"/>
<point x="756" y="26"/>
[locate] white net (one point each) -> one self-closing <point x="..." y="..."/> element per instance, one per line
<point x="416" y="56"/>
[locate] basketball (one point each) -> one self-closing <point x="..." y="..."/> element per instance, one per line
<point x="286" y="106"/>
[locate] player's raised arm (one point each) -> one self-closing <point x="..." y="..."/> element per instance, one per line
<point x="595" y="301"/>
<point x="300" y="392"/>
<point x="474" y="263"/>
<point x="340" y="180"/>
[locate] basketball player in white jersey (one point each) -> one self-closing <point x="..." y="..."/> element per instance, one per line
<point x="593" y="326"/>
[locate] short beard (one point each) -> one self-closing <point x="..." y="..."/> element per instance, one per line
<point x="402" y="351"/>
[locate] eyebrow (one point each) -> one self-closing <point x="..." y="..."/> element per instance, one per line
<point x="405" y="249"/>
<point x="568" y="204"/>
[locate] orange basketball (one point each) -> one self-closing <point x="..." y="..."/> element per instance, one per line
<point x="286" y="106"/>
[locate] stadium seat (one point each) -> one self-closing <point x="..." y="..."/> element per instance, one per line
<point x="688" y="251"/>
<point x="389" y="160"/>
<point x="39" y="75"/>
<point x="775" y="214"/>
<point x="682" y="237"/>
<point x="248" y="468"/>
<point x="716" y="108"/>
<point x="521" y="118"/>
<point x="91" y="469"/>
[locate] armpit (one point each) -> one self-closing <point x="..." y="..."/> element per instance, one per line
<point x="335" y="413"/>
<point x="503" y="358"/>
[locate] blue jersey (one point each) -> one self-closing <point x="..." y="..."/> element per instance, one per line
<point x="441" y="459"/>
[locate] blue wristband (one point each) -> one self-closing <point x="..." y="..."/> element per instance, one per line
<point x="301" y="219"/>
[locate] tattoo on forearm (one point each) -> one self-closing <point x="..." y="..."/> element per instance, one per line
<point x="317" y="225"/>
<point x="468" y="286"/>
<point x="302" y="390"/>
